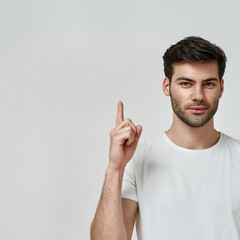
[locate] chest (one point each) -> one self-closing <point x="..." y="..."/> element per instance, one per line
<point x="188" y="185"/>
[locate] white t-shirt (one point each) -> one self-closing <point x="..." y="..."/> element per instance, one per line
<point x="185" y="194"/>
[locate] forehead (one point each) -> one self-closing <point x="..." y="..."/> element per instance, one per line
<point x="195" y="70"/>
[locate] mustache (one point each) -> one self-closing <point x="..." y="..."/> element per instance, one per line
<point x="202" y="104"/>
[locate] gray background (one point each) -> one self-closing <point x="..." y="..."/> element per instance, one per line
<point x="63" y="67"/>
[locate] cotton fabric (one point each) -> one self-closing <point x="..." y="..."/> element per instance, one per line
<point x="185" y="194"/>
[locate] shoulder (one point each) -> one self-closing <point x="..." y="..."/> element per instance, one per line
<point x="145" y="147"/>
<point x="232" y="144"/>
<point x="147" y="150"/>
<point x="230" y="140"/>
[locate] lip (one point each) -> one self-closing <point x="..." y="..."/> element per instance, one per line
<point x="198" y="109"/>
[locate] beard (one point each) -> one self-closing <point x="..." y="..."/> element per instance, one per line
<point x="194" y="119"/>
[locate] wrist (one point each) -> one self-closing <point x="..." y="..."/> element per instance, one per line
<point x="116" y="171"/>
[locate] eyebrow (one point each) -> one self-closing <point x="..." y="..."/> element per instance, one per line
<point x="191" y="80"/>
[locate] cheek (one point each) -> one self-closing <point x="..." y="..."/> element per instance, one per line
<point x="213" y="98"/>
<point x="181" y="96"/>
<point x="177" y="93"/>
<point x="179" y="99"/>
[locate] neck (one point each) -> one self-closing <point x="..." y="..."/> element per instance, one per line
<point x="192" y="137"/>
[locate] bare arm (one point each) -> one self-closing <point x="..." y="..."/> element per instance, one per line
<point x="129" y="214"/>
<point x="112" y="212"/>
<point x="109" y="222"/>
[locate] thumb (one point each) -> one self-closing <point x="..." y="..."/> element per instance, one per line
<point x="139" y="131"/>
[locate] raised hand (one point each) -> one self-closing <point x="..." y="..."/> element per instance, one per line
<point x="124" y="140"/>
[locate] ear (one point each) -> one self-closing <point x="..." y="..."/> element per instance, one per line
<point x="222" y="88"/>
<point x="166" y="86"/>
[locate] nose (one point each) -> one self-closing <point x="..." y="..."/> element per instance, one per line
<point x="197" y="93"/>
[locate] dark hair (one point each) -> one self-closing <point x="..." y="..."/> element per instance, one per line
<point x="193" y="49"/>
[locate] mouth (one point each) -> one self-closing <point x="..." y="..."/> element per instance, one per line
<point x="198" y="109"/>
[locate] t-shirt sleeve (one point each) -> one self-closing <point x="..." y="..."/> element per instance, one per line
<point x="129" y="189"/>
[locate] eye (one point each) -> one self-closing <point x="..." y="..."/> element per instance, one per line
<point x="185" y="84"/>
<point x="209" y="84"/>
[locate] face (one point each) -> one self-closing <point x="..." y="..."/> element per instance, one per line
<point x="195" y="92"/>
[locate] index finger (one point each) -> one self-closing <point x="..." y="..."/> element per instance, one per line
<point x="120" y="117"/>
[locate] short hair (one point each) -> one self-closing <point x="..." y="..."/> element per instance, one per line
<point x="193" y="49"/>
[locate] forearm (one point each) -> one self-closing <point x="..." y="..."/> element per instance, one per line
<point x="108" y="223"/>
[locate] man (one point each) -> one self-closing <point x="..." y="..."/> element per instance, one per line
<point x="183" y="184"/>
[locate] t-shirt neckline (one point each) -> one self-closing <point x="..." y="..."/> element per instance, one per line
<point x="175" y="146"/>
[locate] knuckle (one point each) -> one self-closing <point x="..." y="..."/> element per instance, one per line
<point x="128" y="120"/>
<point x="131" y="129"/>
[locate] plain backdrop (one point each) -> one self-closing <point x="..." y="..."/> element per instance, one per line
<point x="64" y="64"/>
